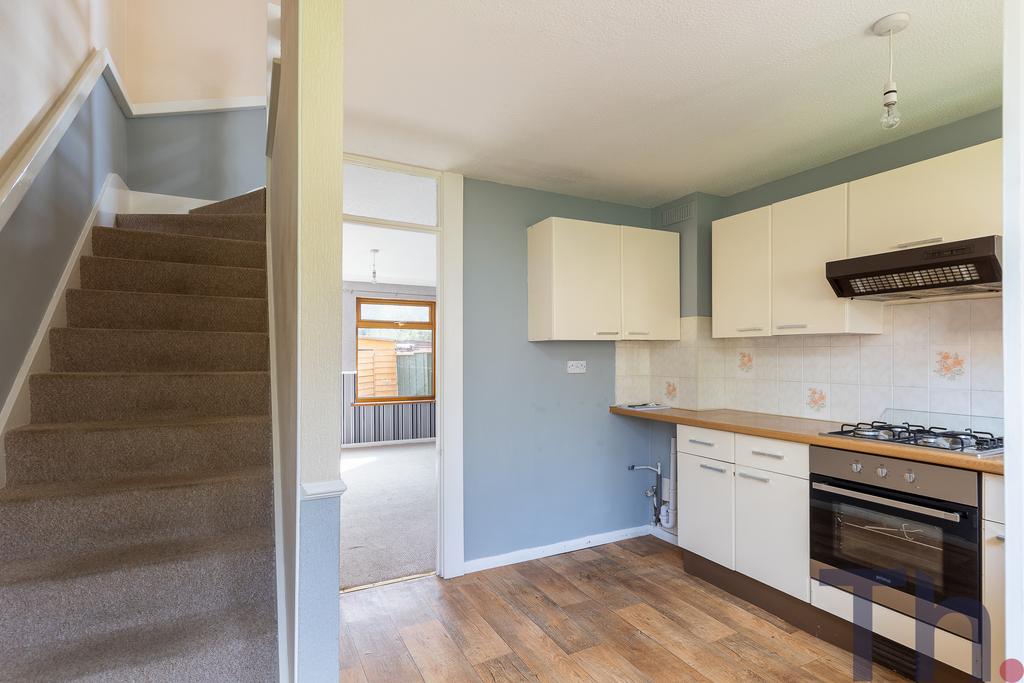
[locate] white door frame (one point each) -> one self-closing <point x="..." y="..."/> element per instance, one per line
<point x="449" y="388"/>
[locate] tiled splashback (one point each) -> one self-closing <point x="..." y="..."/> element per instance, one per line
<point x="933" y="364"/>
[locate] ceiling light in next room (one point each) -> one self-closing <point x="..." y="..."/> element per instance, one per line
<point x="888" y="27"/>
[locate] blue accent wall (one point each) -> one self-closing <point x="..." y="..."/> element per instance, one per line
<point x="544" y="461"/>
<point x="37" y="241"/>
<point x="208" y="155"/>
<point x="318" y="602"/>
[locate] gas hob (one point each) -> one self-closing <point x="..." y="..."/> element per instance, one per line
<point x="970" y="442"/>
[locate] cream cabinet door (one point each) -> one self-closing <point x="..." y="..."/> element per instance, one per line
<point x="705" y="489"/>
<point x="993" y="587"/>
<point x="741" y="274"/>
<point x="807" y="232"/>
<point x="574" y="280"/>
<point x="946" y="198"/>
<point x="650" y="284"/>
<point x="772" y="530"/>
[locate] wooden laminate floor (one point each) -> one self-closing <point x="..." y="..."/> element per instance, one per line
<point x="619" y="612"/>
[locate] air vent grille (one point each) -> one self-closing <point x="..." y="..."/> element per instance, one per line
<point x="677" y="214"/>
<point x="926" y="277"/>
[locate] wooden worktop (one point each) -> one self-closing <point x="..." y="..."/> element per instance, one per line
<point x="802" y="430"/>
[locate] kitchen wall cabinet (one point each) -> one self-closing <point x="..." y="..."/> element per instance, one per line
<point x="602" y="282"/>
<point x="741" y="275"/>
<point x="706" y="507"/>
<point x="807" y="232"/>
<point x="950" y="197"/>
<point x="650" y="284"/>
<point x="772" y="523"/>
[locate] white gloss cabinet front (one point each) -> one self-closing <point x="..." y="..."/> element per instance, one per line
<point x="706" y="508"/>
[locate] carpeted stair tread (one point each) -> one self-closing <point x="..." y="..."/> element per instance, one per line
<point x="97" y="396"/>
<point x="241" y="226"/>
<point x="165" y="277"/>
<point x="41" y="520"/>
<point x="151" y="311"/>
<point x="79" y="349"/>
<point x="231" y="645"/>
<point x="250" y="202"/>
<point x="157" y="246"/>
<point x="116" y="450"/>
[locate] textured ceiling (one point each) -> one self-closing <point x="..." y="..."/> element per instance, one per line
<point x="644" y="101"/>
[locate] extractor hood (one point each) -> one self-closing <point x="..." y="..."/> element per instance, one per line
<point x="962" y="267"/>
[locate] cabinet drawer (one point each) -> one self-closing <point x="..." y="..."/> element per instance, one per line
<point x="709" y="443"/>
<point x="992" y="501"/>
<point x="773" y="530"/>
<point x="773" y="455"/>
<point x="706" y="508"/>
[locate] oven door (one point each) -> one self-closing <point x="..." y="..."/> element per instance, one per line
<point x="910" y="547"/>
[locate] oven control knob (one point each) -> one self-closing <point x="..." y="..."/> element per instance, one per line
<point x="856" y="467"/>
<point x="882" y="471"/>
<point x="909" y="477"/>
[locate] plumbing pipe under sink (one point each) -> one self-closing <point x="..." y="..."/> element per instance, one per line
<point x="652" y="491"/>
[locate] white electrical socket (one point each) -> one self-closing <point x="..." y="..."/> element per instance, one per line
<point x="576" y="367"/>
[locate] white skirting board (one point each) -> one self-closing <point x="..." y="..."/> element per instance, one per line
<point x="538" y="552"/>
<point x="115" y="197"/>
<point x="667" y="535"/>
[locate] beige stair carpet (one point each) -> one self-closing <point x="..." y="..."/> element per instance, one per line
<point x="136" y="526"/>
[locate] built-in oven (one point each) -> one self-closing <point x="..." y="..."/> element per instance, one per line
<point x="907" y="532"/>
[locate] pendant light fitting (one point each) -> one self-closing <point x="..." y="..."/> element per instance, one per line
<point x="888" y="26"/>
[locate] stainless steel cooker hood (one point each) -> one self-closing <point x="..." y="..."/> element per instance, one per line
<point x="962" y="267"/>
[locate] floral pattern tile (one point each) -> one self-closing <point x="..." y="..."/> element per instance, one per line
<point x="817" y="400"/>
<point x="949" y="365"/>
<point x="745" y="361"/>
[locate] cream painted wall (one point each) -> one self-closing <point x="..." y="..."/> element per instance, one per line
<point x="196" y="50"/>
<point x="42" y="44"/>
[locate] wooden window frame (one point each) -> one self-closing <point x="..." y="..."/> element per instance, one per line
<point x="431" y="325"/>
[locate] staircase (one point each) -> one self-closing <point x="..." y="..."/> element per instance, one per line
<point x="136" y="528"/>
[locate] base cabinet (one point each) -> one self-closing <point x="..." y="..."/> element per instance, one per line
<point x="772" y="537"/>
<point x="706" y="508"/>
<point x="993" y="581"/>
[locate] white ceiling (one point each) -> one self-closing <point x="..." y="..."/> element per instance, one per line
<point x="405" y="258"/>
<point x="645" y="101"/>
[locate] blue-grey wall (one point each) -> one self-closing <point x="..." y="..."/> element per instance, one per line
<point x="544" y="460"/>
<point x="211" y="155"/>
<point x="319" y="577"/>
<point x="691" y="217"/>
<point x="37" y="241"/>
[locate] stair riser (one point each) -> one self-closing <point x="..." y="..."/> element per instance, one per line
<point x="154" y="246"/>
<point x="44" y="527"/>
<point x="172" y="278"/>
<point x="91" y="398"/>
<point x="237" y="227"/>
<point x="251" y="202"/>
<point x="132" y="310"/>
<point x="37" y="613"/>
<point x="39" y="457"/>
<point x="82" y="350"/>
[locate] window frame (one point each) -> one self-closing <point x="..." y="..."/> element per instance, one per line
<point x="431" y="325"/>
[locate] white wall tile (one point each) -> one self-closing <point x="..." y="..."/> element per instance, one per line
<point x="688" y="330"/>
<point x="740" y="362"/>
<point x="876" y="365"/>
<point x="910" y="398"/>
<point x="791" y="395"/>
<point x="987" y="367"/>
<point x="987" y="321"/>
<point x="710" y="393"/>
<point x="886" y="338"/>
<point x="767" y="365"/>
<point x="910" y="325"/>
<point x="874" y="402"/>
<point x="949" y="322"/>
<point x="844" y="340"/>
<point x="791" y="341"/>
<point x="791" y="364"/>
<point x="844" y="365"/>
<point x="845" y="400"/>
<point x="710" y="362"/>
<point x="665" y="390"/>
<point x="815" y="340"/>
<point x="816" y="362"/>
<point x="910" y="366"/>
<point x="632" y="389"/>
<point x="949" y="401"/>
<point x="950" y="367"/>
<point x="987" y="403"/>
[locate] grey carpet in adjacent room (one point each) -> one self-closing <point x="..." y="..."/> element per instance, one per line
<point x="388" y="513"/>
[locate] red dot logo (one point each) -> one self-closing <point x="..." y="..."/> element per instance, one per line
<point x="1011" y="670"/>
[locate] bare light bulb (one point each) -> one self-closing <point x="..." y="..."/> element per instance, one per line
<point x="890" y="114"/>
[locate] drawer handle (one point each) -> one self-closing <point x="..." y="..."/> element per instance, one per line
<point x="919" y="243"/>
<point x="763" y="480"/>
<point x="638" y="333"/>
<point x="792" y="326"/>
<point x="766" y="454"/>
<point x="749" y="329"/>
<point x="1000" y="537"/>
<point x="702" y="443"/>
<point x="606" y="333"/>
<point x="720" y="470"/>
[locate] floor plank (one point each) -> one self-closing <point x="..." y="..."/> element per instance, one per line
<point x="620" y="612"/>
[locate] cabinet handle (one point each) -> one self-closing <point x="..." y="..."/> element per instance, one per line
<point x="791" y="326"/>
<point x="702" y="443"/>
<point x="1000" y="537"/>
<point x="769" y="455"/>
<point x="638" y="333"/>
<point x="720" y="470"/>
<point x="919" y="243"/>
<point x="606" y="333"/>
<point x="763" y="480"/>
<point x="749" y="329"/>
